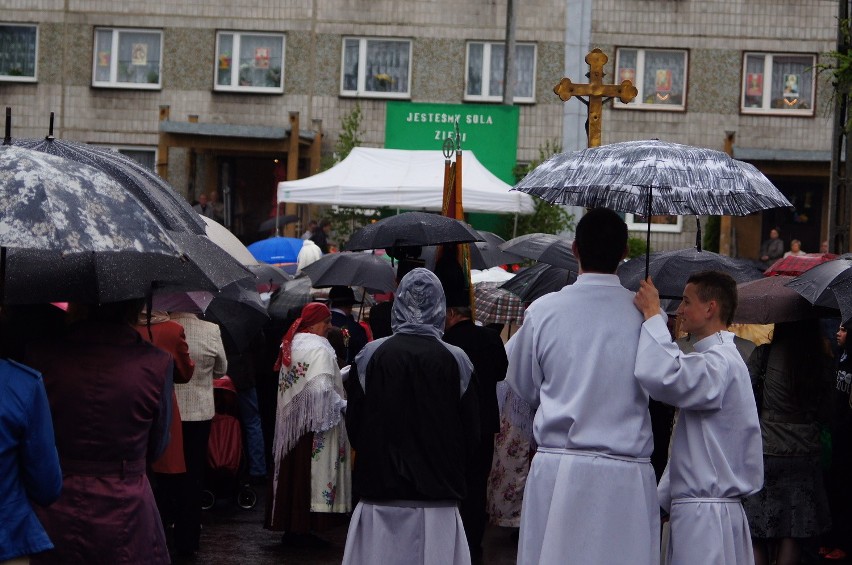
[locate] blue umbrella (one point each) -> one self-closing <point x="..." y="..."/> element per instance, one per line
<point x="276" y="250"/>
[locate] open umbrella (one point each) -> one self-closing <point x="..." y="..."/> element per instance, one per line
<point x="483" y="254"/>
<point x="545" y="248"/>
<point x="352" y="269"/>
<point x="670" y="269"/>
<point x="538" y="280"/>
<point x="412" y="229"/>
<point x="277" y="222"/>
<point x="158" y="197"/>
<point x="74" y="233"/>
<point x="276" y="250"/>
<point x="497" y="305"/>
<point x="653" y="177"/>
<point x="768" y="301"/>
<point x="828" y="284"/>
<point x="795" y="265"/>
<point x="268" y="276"/>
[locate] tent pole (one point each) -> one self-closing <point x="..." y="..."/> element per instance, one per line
<point x="515" y="228"/>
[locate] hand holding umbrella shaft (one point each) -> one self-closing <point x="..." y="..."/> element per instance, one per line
<point x="647" y="299"/>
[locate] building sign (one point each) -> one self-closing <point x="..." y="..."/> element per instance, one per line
<point x="490" y="131"/>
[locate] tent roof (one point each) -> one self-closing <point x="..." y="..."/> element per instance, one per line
<point x="407" y="179"/>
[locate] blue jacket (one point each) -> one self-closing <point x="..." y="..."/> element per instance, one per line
<point x="29" y="462"/>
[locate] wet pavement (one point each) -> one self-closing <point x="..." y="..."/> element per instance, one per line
<point x="233" y="536"/>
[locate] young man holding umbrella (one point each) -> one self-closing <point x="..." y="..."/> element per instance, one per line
<point x="717" y="451"/>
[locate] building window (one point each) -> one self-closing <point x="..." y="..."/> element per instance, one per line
<point x="485" y="65"/>
<point x="249" y="62"/>
<point x="378" y="68"/>
<point x="127" y="58"/>
<point x="18" y="52"/>
<point x="144" y="156"/>
<point x="778" y="84"/>
<point x="672" y="224"/>
<point x="658" y="74"/>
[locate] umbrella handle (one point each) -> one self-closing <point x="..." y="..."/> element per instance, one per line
<point x="648" y="235"/>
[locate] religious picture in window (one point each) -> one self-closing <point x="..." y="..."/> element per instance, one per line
<point x="664" y="80"/>
<point x="139" y="54"/>
<point x="791" y="86"/>
<point x="627" y="74"/>
<point x="754" y="84"/>
<point x="261" y="57"/>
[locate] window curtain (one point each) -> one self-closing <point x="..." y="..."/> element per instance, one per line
<point x="387" y="66"/>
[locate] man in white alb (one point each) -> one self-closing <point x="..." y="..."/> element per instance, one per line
<point x="717" y="452"/>
<point x="590" y="496"/>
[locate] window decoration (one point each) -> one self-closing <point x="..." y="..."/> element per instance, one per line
<point x="127" y="58"/>
<point x="486" y="62"/>
<point x="781" y="84"/>
<point x="376" y="67"/>
<point x="659" y="75"/>
<point x="18" y="52"/>
<point x="249" y="62"/>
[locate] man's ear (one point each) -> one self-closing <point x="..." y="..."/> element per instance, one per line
<point x="712" y="310"/>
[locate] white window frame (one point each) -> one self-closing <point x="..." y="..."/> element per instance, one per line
<point x="639" y="81"/>
<point x="234" y="61"/>
<point x="361" y="90"/>
<point x="113" y="62"/>
<point x="486" y="73"/>
<point x="21" y="78"/>
<point x="634" y="225"/>
<point x="136" y="148"/>
<point x="766" y="101"/>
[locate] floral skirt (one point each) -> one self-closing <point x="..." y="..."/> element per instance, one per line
<point x="792" y="503"/>
<point x="508" y="476"/>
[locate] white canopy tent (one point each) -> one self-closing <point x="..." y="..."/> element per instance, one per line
<point x="404" y="179"/>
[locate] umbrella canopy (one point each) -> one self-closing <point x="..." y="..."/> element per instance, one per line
<point x="412" y="229"/>
<point x="50" y="203"/>
<point x="292" y="294"/>
<point x="240" y="312"/>
<point x="268" y="276"/>
<point x="494" y="305"/>
<point x="670" y="269"/>
<point x="795" y="265"/>
<point x="155" y="194"/>
<point x="158" y="198"/>
<point x="682" y="180"/>
<point x="74" y="233"/>
<point x="545" y="248"/>
<point x="768" y="301"/>
<point x="538" y="280"/>
<point x="352" y="269"/>
<point x="483" y="254"/>
<point x="828" y="284"/>
<point x="276" y="250"/>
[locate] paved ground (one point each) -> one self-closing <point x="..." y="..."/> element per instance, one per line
<point x="233" y="536"/>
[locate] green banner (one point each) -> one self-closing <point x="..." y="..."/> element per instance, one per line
<point x="490" y="131"/>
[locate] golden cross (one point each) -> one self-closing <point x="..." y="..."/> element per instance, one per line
<point x="595" y="90"/>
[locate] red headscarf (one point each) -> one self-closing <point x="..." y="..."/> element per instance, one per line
<point x="312" y="313"/>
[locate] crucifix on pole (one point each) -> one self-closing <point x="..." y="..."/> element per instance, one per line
<point x="595" y="91"/>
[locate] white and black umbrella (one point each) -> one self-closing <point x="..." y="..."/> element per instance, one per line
<point x="168" y="207"/>
<point x="73" y="233"/>
<point x="653" y="178"/>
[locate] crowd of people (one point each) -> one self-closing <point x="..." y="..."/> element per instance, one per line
<point x="420" y="427"/>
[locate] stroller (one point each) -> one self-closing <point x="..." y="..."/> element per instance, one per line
<point x="225" y="459"/>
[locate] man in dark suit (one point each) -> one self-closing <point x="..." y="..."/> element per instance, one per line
<point x="340" y="301"/>
<point x="486" y="351"/>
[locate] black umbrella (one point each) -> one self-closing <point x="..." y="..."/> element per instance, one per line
<point x="168" y="207"/>
<point x="670" y="269"/>
<point x="545" y="248"/>
<point x="652" y="177"/>
<point x="828" y="284"/>
<point x="412" y="229"/>
<point x="538" y="280"/>
<point x="352" y="269"/>
<point x="240" y="312"/>
<point x="292" y="294"/>
<point x="768" y="301"/>
<point x="483" y="254"/>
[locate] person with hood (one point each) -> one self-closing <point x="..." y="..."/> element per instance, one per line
<point x="414" y="423"/>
